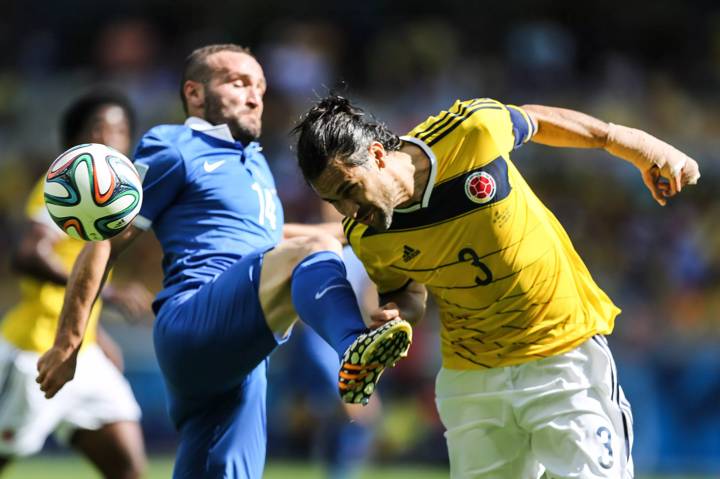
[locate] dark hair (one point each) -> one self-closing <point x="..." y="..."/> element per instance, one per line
<point x="196" y="67"/>
<point x="334" y="128"/>
<point x="78" y="114"/>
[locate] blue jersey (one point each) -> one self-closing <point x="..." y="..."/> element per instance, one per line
<point x="209" y="199"/>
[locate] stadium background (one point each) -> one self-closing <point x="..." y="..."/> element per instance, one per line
<point x="653" y="65"/>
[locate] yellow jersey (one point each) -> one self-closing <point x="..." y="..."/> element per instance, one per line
<point x="509" y="285"/>
<point x="32" y="323"/>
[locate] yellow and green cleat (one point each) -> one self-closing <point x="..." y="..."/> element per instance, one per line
<point x="367" y="357"/>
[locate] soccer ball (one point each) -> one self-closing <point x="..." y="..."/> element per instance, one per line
<point x="92" y="192"/>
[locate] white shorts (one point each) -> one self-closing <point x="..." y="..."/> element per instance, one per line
<point x="98" y="395"/>
<point x="564" y="416"/>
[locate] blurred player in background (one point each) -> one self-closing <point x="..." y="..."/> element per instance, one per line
<point x="231" y="290"/>
<point x="97" y="414"/>
<point x="528" y="383"/>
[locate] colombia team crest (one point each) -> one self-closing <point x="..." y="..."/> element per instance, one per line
<point x="480" y="187"/>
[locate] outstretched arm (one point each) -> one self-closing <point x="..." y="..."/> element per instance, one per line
<point x="653" y="157"/>
<point x="57" y="366"/>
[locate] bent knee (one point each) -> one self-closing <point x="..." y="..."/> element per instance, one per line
<point x="324" y="242"/>
<point x="307" y="245"/>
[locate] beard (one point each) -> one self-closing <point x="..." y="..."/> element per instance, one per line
<point x="242" y="131"/>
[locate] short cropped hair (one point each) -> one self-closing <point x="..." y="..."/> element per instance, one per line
<point x="77" y="115"/>
<point x="197" y="69"/>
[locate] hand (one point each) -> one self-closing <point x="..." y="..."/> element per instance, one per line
<point x="134" y="299"/>
<point x="383" y="314"/>
<point x="677" y="170"/>
<point x="55" y="368"/>
<point x="664" y="168"/>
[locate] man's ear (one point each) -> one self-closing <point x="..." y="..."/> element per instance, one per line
<point x="378" y="153"/>
<point x="194" y="95"/>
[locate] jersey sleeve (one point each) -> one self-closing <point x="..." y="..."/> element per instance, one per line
<point x="508" y="125"/>
<point x="522" y="126"/>
<point x="162" y="170"/>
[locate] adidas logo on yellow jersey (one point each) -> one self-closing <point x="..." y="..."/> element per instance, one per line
<point x="409" y="253"/>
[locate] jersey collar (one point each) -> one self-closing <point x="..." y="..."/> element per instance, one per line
<point x="431" y="181"/>
<point x="221" y="132"/>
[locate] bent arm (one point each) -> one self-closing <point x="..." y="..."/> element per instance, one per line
<point x="560" y="127"/>
<point x="654" y="158"/>
<point x="34" y="255"/>
<point x="409" y="303"/>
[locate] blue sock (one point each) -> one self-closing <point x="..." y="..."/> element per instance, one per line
<point x="325" y="301"/>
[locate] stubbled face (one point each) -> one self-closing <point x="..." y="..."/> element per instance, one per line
<point x="109" y="126"/>
<point x="234" y="94"/>
<point x="364" y="193"/>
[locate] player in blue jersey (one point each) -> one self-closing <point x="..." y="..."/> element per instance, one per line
<point x="232" y="290"/>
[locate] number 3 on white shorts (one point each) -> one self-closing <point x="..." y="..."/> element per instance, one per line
<point x="606" y="459"/>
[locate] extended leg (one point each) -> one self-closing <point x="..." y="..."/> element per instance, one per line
<point x="305" y="276"/>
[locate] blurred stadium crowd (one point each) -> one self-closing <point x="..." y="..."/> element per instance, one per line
<point x="657" y="68"/>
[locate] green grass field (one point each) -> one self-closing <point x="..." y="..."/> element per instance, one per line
<point x="72" y="467"/>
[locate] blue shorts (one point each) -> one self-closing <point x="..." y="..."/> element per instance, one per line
<point x="212" y="346"/>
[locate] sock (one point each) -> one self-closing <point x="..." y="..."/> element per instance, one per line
<point x="325" y="301"/>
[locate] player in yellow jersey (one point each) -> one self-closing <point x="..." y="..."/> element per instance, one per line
<point x="96" y="414"/>
<point x="528" y="385"/>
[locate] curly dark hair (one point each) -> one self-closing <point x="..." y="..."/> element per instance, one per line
<point x="75" y="119"/>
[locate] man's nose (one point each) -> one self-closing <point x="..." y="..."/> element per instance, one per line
<point x="254" y="98"/>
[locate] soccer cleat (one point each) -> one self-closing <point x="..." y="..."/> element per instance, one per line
<point x="367" y="357"/>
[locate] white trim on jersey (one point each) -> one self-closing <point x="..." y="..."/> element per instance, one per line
<point x="431" y="181"/>
<point x="142" y="223"/>
<point x="221" y="132"/>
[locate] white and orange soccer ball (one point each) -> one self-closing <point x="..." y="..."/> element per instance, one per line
<point x="92" y="192"/>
